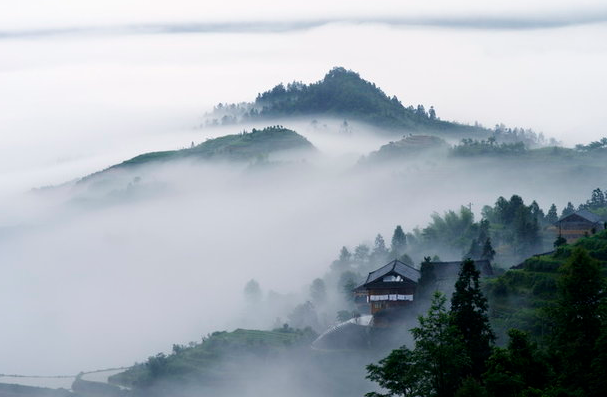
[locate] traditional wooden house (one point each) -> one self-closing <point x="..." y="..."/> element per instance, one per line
<point x="579" y="224"/>
<point x="391" y="286"/>
<point x="445" y="273"/>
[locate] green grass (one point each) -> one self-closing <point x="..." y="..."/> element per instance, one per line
<point x="215" y="358"/>
<point x="518" y="297"/>
<point x="237" y="147"/>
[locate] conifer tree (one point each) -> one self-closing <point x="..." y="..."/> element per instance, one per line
<point x="488" y="251"/>
<point x="380" y="252"/>
<point x="469" y="316"/>
<point x="399" y="242"/>
<point x="568" y="210"/>
<point x="552" y="215"/>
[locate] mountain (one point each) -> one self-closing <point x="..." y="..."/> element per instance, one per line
<point x="344" y="94"/>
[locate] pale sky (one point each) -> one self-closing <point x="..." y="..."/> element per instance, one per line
<point x="86" y="84"/>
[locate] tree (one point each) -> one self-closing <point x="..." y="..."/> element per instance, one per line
<point x="469" y="316"/>
<point x="488" y="251"/>
<point x="432" y="113"/>
<point x="380" y="252"/>
<point x="303" y="316"/>
<point x="361" y="253"/>
<point x="427" y="280"/>
<point x="318" y="291"/>
<point x="347" y="282"/>
<point x="474" y="251"/>
<point x="552" y="215"/>
<point x="518" y="369"/>
<point x="399" y="242"/>
<point x="568" y="210"/>
<point x="577" y="319"/>
<point x="560" y="240"/>
<point x="433" y="368"/>
<point x="252" y="292"/>
<point x="597" y="200"/>
<point x="344" y="260"/>
<point x="440" y="352"/>
<point x="397" y="373"/>
<point x="536" y="211"/>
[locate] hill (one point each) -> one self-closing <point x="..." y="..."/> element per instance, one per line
<point x="407" y="147"/>
<point x="517" y="297"/>
<point x="239" y="147"/>
<point x="218" y="358"/>
<point x="242" y="147"/>
<point x="344" y="94"/>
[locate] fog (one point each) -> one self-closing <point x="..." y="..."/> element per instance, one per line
<point x="97" y="276"/>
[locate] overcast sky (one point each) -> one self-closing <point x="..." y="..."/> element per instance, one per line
<point x="87" y="84"/>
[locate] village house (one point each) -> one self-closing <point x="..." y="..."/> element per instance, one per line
<point x="394" y="286"/>
<point x="390" y="286"/>
<point x="579" y="224"/>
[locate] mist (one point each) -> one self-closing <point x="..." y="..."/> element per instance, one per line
<point x="106" y="272"/>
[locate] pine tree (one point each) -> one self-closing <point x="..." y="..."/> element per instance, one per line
<point x="568" y="210"/>
<point x="399" y="242"/>
<point x="344" y="260"/>
<point x="488" y="251"/>
<point x="552" y="215"/>
<point x="380" y="252"/>
<point x="469" y="316"/>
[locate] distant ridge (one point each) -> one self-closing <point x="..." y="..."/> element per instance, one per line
<point x="341" y="93"/>
<point x="241" y="147"/>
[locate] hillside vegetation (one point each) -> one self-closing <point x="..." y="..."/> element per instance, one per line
<point x="341" y="93"/>
<point x="218" y="358"/>
<point x="238" y="147"/>
<point x="519" y="296"/>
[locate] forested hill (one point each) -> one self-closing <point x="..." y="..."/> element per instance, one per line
<point x="245" y="146"/>
<point x="341" y="93"/>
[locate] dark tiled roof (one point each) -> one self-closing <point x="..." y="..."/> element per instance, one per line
<point x="449" y="270"/>
<point x="397" y="267"/>
<point x="585" y="214"/>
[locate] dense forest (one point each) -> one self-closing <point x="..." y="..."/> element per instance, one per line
<point x="455" y="352"/>
<point x="341" y="93"/>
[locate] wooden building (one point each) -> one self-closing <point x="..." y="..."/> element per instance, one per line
<point x="579" y="224"/>
<point x="389" y="287"/>
<point x="394" y="285"/>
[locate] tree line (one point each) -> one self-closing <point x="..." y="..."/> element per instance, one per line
<point x="455" y="353"/>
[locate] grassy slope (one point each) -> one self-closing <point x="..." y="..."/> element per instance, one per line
<point x="517" y="297"/>
<point x="215" y="359"/>
<point x="238" y="147"/>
